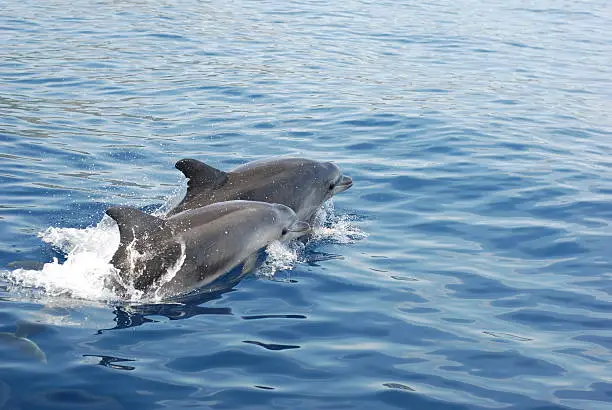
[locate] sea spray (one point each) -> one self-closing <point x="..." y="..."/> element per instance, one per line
<point x="326" y="227"/>
<point x="86" y="270"/>
<point x="83" y="273"/>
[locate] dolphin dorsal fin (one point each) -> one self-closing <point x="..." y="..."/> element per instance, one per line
<point x="200" y="175"/>
<point x="134" y="224"/>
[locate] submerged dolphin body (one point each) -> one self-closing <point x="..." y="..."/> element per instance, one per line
<point x="197" y="245"/>
<point x="299" y="183"/>
<point x="20" y="340"/>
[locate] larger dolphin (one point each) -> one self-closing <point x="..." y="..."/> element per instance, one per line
<point x="301" y="184"/>
<point x="192" y="249"/>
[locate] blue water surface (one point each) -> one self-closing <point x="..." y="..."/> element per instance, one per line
<point x="479" y="138"/>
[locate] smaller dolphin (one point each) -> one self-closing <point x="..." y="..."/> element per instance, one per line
<point x="299" y="183"/>
<point x="20" y="340"/>
<point x="199" y="245"/>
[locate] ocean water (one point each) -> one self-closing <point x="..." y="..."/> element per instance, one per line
<point x="469" y="267"/>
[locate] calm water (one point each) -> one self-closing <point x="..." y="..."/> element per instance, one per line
<point x="469" y="266"/>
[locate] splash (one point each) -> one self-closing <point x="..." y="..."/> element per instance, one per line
<point x="327" y="227"/>
<point x="280" y="256"/>
<point x="83" y="274"/>
<point x="86" y="269"/>
<point x="129" y="291"/>
<point x="170" y="274"/>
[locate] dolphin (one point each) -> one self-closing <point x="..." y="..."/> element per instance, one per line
<point x="20" y="340"/>
<point x="299" y="183"/>
<point x="193" y="248"/>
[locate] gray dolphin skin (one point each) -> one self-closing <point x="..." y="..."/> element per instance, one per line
<point x="200" y="244"/>
<point x="299" y="183"/>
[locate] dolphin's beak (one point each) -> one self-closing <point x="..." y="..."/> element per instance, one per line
<point x="344" y="184"/>
<point x="299" y="227"/>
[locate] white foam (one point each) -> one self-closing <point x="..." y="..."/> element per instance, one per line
<point x="327" y="226"/>
<point x="334" y="228"/>
<point x="82" y="275"/>
<point x="280" y="256"/>
<point x="88" y="251"/>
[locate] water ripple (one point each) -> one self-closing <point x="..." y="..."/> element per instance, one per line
<point x="468" y="267"/>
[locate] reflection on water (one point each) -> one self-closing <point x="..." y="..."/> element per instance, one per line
<point x="136" y="315"/>
<point x="273" y="316"/>
<point x="110" y="362"/>
<point x="271" y="346"/>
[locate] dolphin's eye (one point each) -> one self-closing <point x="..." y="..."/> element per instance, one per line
<point x="332" y="186"/>
<point x="284" y="232"/>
